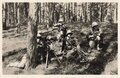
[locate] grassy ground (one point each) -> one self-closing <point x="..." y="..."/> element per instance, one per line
<point x="14" y="47"/>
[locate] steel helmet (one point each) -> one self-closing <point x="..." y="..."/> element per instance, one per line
<point x="61" y="32"/>
<point x="49" y="37"/>
<point x="69" y="32"/>
<point x="61" y="19"/>
<point x="94" y="24"/>
<point x="39" y="33"/>
<point x="57" y="24"/>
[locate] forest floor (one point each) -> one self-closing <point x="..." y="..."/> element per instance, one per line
<point x="14" y="47"/>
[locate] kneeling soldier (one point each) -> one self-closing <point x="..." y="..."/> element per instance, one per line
<point x="95" y="37"/>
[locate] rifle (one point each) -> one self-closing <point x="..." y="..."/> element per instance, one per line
<point x="46" y="65"/>
<point x="47" y="55"/>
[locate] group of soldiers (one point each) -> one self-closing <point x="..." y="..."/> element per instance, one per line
<point x="69" y="45"/>
<point x="69" y="42"/>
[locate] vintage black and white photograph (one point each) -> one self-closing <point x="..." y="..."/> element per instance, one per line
<point x="60" y="38"/>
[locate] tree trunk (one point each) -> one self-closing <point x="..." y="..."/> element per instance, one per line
<point x="50" y="9"/>
<point x="40" y="13"/>
<point x="18" y="13"/>
<point x="75" y="7"/>
<point x="26" y="9"/>
<point x="7" y="19"/>
<point x="91" y="13"/>
<point x="43" y="13"/>
<point x="14" y="16"/>
<point x="4" y="16"/>
<point x="32" y="35"/>
<point x="115" y="13"/>
<point x="101" y="13"/>
<point x="85" y="9"/>
<point x="18" y="17"/>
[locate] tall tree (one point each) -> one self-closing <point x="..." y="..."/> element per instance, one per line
<point x="32" y="35"/>
<point x="18" y="17"/>
<point x="4" y="15"/>
<point x="51" y="13"/>
<point x="14" y="17"/>
<point x="26" y="6"/>
<point x="40" y="13"/>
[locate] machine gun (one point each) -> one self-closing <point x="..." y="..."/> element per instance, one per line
<point x="45" y="41"/>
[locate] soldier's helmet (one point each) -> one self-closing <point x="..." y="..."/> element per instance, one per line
<point x="94" y="24"/>
<point x="69" y="32"/>
<point x="38" y="33"/>
<point x="57" y="24"/>
<point x="49" y="37"/>
<point x="61" y="19"/>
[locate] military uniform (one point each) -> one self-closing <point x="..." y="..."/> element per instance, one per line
<point x="94" y="37"/>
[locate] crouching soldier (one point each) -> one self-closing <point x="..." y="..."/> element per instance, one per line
<point x="41" y="53"/>
<point x="70" y="41"/>
<point x="95" y="38"/>
<point x="71" y="45"/>
<point x="60" y="23"/>
<point x="61" y="28"/>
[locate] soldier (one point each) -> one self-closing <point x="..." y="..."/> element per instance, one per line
<point x="95" y="37"/>
<point x="72" y="47"/>
<point x="59" y="24"/>
<point x="70" y="41"/>
<point x="60" y="27"/>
